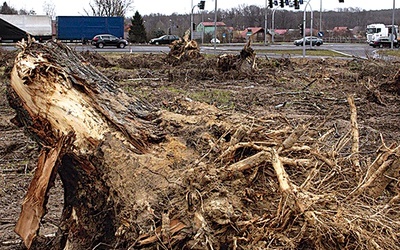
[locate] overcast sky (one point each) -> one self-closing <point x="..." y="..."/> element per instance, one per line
<point x="76" y="7"/>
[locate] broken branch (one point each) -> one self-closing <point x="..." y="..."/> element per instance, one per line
<point x="355" y="148"/>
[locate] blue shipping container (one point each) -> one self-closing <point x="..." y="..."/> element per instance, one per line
<point x="84" y="28"/>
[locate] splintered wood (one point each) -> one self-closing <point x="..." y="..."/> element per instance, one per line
<point x="33" y="207"/>
<point x="197" y="177"/>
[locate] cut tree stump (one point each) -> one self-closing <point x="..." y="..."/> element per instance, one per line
<point x="135" y="177"/>
<point x="183" y="50"/>
<point x="56" y="95"/>
<point x="245" y="62"/>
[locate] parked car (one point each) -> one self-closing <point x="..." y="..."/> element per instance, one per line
<point x="309" y="39"/>
<point x="384" y="42"/>
<point x="165" y="39"/>
<point x="108" y="40"/>
<point x="216" y="40"/>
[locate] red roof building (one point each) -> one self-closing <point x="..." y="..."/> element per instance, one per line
<point x="259" y="31"/>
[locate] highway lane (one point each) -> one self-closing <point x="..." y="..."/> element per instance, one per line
<point x="350" y="49"/>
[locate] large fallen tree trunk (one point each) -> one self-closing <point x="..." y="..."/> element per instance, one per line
<point x="138" y="177"/>
<point x="109" y="135"/>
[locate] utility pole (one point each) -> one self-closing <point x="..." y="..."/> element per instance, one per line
<point x="202" y="29"/>
<point x="273" y="25"/>
<point x="320" y="15"/>
<point x="215" y="27"/>
<point x="265" y="23"/>
<point x="191" y="23"/>
<point x="394" y="31"/>
<point x="191" y="20"/>
<point x="304" y="27"/>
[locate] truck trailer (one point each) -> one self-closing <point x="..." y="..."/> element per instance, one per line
<point x="14" y="28"/>
<point x="83" y="28"/>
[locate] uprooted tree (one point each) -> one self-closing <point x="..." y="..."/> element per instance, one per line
<point x="138" y="177"/>
<point x="183" y="50"/>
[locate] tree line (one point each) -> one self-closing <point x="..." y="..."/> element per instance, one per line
<point x="245" y="16"/>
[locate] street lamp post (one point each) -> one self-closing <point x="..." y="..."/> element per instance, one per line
<point x="202" y="27"/>
<point x="201" y="7"/>
<point x="393" y="29"/>
<point x="304" y="27"/>
<point x="191" y="20"/>
<point x="215" y="27"/>
<point x="320" y="15"/>
<point x="191" y="23"/>
<point x="265" y="23"/>
<point x="273" y="25"/>
<point x="311" y="25"/>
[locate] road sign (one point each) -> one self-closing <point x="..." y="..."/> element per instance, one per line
<point x="320" y="34"/>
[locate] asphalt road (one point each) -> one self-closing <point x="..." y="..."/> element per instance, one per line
<point x="350" y="49"/>
<point x="347" y="49"/>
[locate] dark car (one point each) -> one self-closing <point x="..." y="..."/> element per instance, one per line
<point x="165" y="39"/>
<point x="384" y="42"/>
<point x="109" y="40"/>
<point x="313" y="39"/>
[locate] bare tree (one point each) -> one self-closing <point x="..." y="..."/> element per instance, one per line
<point x="109" y="7"/>
<point x="49" y="9"/>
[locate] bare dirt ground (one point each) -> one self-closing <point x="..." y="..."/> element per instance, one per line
<point x="290" y="90"/>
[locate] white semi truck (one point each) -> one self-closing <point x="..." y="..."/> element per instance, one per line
<point x="379" y="30"/>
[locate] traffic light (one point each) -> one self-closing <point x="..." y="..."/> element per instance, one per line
<point x="270" y="4"/>
<point x="341" y="1"/>
<point x="201" y="5"/>
<point x="282" y="3"/>
<point x="296" y="4"/>
<point x="301" y="27"/>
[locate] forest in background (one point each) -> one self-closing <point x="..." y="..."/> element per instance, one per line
<point x="245" y="16"/>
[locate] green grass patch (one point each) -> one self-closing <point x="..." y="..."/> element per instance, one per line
<point x="172" y="89"/>
<point x="147" y="92"/>
<point x="389" y="52"/>
<point x="220" y="98"/>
